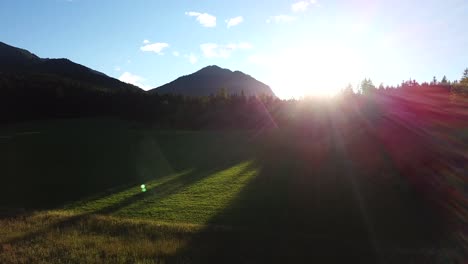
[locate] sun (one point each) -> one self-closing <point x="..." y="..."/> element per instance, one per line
<point x="321" y="72"/>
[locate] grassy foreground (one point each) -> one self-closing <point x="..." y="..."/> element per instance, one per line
<point x="211" y="197"/>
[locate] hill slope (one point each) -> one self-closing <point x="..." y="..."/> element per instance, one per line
<point x="210" y="80"/>
<point x="13" y="58"/>
<point x="16" y="61"/>
<point x="35" y="88"/>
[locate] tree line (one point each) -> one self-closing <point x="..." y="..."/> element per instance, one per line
<point x="37" y="96"/>
<point x="458" y="87"/>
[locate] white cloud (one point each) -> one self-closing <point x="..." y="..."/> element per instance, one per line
<point x="281" y="19"/>
<point x="192" y="58"/>
<point x="155" y="47"/>
<point x="210" y="50"/>
<point x="234" y="21"/>
<point x="134" y="79"/>
<point x="146" y="41"/>
<point x="213" y="50"/>
<point x="117" y="68"/>
<point x="176" y="53"/>
<point x="302" y="6"/>
<point x="204" y="19"/>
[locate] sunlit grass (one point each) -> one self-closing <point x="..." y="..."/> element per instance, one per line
<point x="175" y="207"/>
<point x="186" y="197"/>
<point x="127" y="226"/>
<point x="195" y="203"/>
<point x="94" y="205"/>
<point x="92" y="239"/>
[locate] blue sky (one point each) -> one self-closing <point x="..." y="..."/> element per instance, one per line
<point x="296" y="47"/>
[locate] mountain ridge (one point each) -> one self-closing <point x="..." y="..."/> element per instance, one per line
<point x="15" y="60"/>
<point x="207" y="81"/>
<point x="210" y="80"/>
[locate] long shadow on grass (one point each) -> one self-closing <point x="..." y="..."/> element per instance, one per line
<point x="63" y="165"/>
<point x="309" y="209"/>
<point x="172" y="186"/>
<point x="205" y="160"/>
<point x="287" y="213"/>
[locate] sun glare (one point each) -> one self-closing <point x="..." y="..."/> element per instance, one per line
<point x="318" y="71"/>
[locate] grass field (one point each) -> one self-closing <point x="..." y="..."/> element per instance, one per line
<point x="211" y="197"/>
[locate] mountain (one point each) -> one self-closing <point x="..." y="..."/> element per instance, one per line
<point x="34" y="88"/>
<point x="14" y="58"/>
<point x="16" y="61"/>
<point x="210" y="80"/>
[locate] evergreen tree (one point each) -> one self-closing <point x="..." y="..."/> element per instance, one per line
<point x="444" y="80"/>
<point x="464" y="79"/>
<point x="367" y="86"/>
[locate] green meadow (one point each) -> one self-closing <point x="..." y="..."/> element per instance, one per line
<point x="71" y="193"/>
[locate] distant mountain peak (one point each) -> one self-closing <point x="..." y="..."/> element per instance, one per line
<point x="210" y="80"/>
<point x="212" y="69"/>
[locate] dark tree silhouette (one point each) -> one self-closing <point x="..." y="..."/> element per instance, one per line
<point x="367" y="87"/>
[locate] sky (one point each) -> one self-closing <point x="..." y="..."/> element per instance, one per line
<point x="308" y="47"/>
